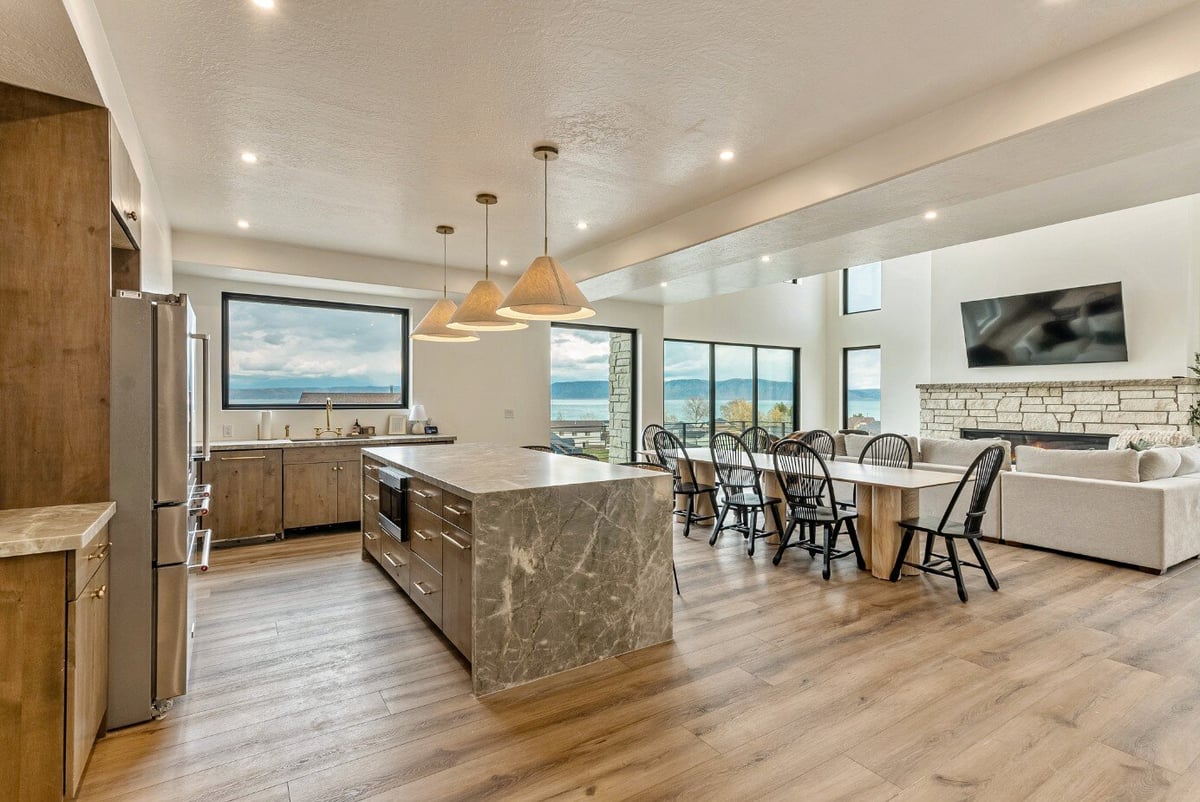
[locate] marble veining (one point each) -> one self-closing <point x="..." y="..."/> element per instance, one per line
<point x="377" y="440"/>
<point x="473" y="469"/>
<point x="39" y="530"/>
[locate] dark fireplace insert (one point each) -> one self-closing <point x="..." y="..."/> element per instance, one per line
<point x="1079" y="441"/>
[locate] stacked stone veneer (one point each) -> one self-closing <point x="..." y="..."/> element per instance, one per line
<point x="1103" y="407"/>
<point x="620" y="396"/>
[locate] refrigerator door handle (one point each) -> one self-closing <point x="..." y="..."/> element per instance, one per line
<point x="204" y="354"/>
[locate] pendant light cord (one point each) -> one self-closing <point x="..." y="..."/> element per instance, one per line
<point x="486" y="208"/>
<point x="444" y="280"/>
<point x="545" y="207"/>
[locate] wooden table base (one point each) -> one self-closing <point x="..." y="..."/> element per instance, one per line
<point x="880" y="510"/>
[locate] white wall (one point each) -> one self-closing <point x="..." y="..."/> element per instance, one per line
<point x="786" y="315"/>
<point x="465" y="388"/>
<point x="901" y="329"/>
<point x="1151" y="250"/>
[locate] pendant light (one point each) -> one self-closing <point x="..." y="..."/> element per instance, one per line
<point x="432" y="327"/>
<point x="478" y="310"/>
<point x="545" y="291"/>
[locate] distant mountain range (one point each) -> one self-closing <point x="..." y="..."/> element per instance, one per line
<point x="682" y="389"/>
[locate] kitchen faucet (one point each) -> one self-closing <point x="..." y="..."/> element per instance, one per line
<point x="318" y="431"/>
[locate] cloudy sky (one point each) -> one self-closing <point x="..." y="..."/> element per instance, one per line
<point x="273" y="345"/>
<point x="863" y="287"/>
<point x="578" y="355"/>
<point x="862" y="369"/>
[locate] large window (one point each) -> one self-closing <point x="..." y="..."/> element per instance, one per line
<point x="281" y="353"/>
<point x="862" y="289"/>
<point x="714" y="387"/>
<point x="593" y="388"/>
<point x="860" y="383"/>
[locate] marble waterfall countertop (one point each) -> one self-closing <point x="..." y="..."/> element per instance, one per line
<point x="377" y="440"/>
<point x="473" y="469"/>
<point x="39" y="530"/>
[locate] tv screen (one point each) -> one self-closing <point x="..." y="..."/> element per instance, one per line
<point x="1081" y="324"/>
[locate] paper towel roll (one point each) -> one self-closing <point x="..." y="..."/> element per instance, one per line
<point x="264" y="425"/>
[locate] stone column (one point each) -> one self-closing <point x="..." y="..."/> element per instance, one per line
<point x="620" y="396"/>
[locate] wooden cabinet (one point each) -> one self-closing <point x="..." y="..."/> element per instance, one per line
<point x="349" y="491"/>
<point x="247" y="493"/>
<point x="311" y="497"/>
<point x="126" y="194"/>
<point x="456" y="588"/>
<point x="372" y="534"/>
<point x="54" y="693"/>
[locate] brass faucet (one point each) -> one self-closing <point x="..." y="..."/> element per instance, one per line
<point x="318" y="431"/>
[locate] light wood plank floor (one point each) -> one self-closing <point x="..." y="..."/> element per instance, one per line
<point x="315" y="679"/>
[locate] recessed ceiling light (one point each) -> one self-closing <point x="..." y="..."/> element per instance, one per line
<point x="243" y="224"/>
<point x="266" y="4"/>
<point x="504" y="263"/>
<point x="662" y="283"/>
<point x="727" y="155"/>
<point x="766" y="257"/>
<point x="581" y="225"/>
<point x="931" y="215"/>
<point x="249" y="158"/>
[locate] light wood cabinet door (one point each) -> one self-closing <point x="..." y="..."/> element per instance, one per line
<point x="312" y="494"/>
<point x="247" y="493"/>
<point x="87" y="674"/>
<point x="126" y="193"/>
<point x="349" y="493"/>
<point x="456" y="588"/>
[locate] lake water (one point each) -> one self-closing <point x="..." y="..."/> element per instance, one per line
<point x="597" y="408"/>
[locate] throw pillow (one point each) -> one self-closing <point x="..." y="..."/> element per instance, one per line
<point x="1189" y="460"/>
<point x="1116" y="466"/>
<point x="1158" y="463"/>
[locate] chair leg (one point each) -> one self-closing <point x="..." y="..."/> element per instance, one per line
<point x="778" y="519"/>
<point x="812" y="538"/>
<point x="905" y="542"/>
<point x="712" y="541"/>
<point x="983" y="563"/>
<point x="752" y="514"/>
<point x="691" y="512"/>
<point x="852" y="531"/>
<point x="825" y="562"/>
<point x="952" y="553"/>
<point x="929" y="538"/>
<point x="837" y="531"/>
<point x="783" y="541"/>
<point x="676" y="575"/>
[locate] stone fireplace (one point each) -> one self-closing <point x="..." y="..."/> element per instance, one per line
<point x="1102" y="408"/>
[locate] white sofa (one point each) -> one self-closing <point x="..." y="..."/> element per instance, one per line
<point x="1139" y="508"/>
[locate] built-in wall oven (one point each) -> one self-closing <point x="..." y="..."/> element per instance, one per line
<point x="393" y="501"/>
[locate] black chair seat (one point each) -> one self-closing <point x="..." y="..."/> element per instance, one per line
<point x="822" y="515"/>
<point x="750" y="500"/>
<point x="929" y="523"/>
<point x="692" y="487"/>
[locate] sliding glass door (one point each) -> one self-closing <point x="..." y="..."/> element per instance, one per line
<point x="593" y="399"/>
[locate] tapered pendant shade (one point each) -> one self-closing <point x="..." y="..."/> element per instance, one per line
<point x="478" y="310"/>
<point x="545" y="292"/>
<point x="432" y="327"/>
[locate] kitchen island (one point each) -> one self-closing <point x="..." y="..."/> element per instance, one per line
<point x="530" y="563"/>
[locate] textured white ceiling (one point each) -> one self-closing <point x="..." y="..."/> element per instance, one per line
<point x="39" y="50"/>
<point x="374" y="121"/>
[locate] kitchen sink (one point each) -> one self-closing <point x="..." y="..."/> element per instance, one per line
<point x="330" y="439"/>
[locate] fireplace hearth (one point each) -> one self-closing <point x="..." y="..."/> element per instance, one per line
<point x="1079" y="441"/>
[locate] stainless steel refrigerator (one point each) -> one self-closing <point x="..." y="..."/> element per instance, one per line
<point x="159" y="432"/>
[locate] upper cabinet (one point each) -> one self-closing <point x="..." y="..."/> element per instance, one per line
<point x="126" y="194"/>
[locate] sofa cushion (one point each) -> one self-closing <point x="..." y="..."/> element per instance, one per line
<point x="855" y="443"/>
<point x="1158" y="463"/>
<point x="1148" y="438"/>
<point x="1189" y="461"/>
<point x="1116" y="466"/>
<point x="956" y="452"/>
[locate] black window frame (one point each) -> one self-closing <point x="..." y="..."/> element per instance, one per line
<point x="846" y="290"/>
<point x="712" y="377"/>
<point x="403" y="312"/>
<point x="846" y="384"/>
<point x="634" y="417"/>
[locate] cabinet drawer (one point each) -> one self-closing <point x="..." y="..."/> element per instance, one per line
<point x="371" y="468"/>
<point x="87" y="675"/>
<point x="456" y="510"/>
<point x="427" y="589"/>
<point x="425" y="494"/>
<point x="396" y="561"/>
<point x="86" y="562"/>
<point x="292" y="456"/>
<point x="372" y="542"/>
<point x="425" y="536"/>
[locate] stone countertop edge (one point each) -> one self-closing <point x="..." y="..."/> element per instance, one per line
<point x="42" y="530"/>
<point x="473" y="495"/>
<point x="377" y="440"/>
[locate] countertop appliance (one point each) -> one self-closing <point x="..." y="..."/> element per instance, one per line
<point x="159" y="382"/>
<point x="393" y="498"/>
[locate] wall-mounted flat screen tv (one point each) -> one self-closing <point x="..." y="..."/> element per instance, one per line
<point x="1081" y="324"/>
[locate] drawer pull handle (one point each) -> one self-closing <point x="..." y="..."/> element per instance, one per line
<point x="422" y="493"/>
<point x="458" y="512"/>
<point x="424" y="592"/>
<point x="100" y="553"/>
<point x="369" y="535"/>
<point x="456" y="544"/>
<point x="235" y="459"/>
<point x="370" y="498"/>
<point x="392" y="561"/>
<point x="100" y="592"/>
<point x="422" y="535"/>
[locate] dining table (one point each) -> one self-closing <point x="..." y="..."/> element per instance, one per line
<point x="886" y="496"/>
